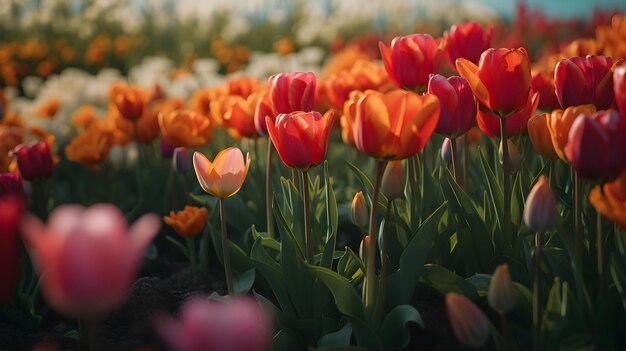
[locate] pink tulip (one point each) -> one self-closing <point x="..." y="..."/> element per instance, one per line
<point x="238" y="324"/>
<point x="88" y="257"/>
<point x="293" y="91"/>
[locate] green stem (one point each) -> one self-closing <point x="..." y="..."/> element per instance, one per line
<point x="506" y="184"/>
<point x="600" y="247"/>
<point x="307" y="219"/>
<point x="193" y="253"/>
<point x="537" y="306"/>
<point x="295" y="178"/>
<point x="373" y="233"/>
<point x="412" y="164"/>
<point x="454" y="153"/>
<point x="578" y="239"/>
<point x="226" y="254"/>
<point x="465" y="161"/>
<point x="383" y="267"/>
<point x="138" y="161"/>
<point x="268" y="190"/>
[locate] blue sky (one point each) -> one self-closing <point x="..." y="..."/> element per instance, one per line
<point x="558" y="8"/>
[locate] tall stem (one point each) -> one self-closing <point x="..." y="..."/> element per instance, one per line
<point x="307" y="219"/>
<point x="578" y="240"/>
<point x="226" y="254"/>
<point x="383" y="266"/>
<point x="269" y="195"/>
<point x="454" y="153"/>
<point x="537" y="308"/>
<point x="600" y="247"/>
<point x="506" y="185"/>
<point x="373" y="233"/>
<point x="465" y="160"/>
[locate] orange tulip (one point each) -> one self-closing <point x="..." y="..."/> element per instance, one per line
<point x="501" y="81"/>
<point x="49" y="108"/>
<point x="301" y="138"/>
<point x="185" y="128"/>
<point x="559" y="124"/>
<point x="201" y="101"/>
<point x="90" y="148"/>
<point x="236" y="114"/>
<point x="540" y="136"/>
<point x="85" y="117"/>
<point x="347" y="119"/>
<point x="611" y="202"/>
<point x="395" y="125"/>
<point x="129" y="100"/>
<point x="224" y="176"/>
<point x="188" y="222"/>
<point x="243" y="86"/>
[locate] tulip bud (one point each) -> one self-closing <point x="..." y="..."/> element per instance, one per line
<point x="469" y="324"/>
<point x="392" y="185"/>
<point x="359" y="210"/>
<point x="167" y="150"/>
<point x="129" y="101"/>
<point x="365" y="245"/>
<point x="34" y="162"/>
<point x="181" y="161"/>
<point x="293" y="91"/>
<point x="458" y="106"/>
<point x="411" y="59"/>
<point x="446" y="150"/>
<point x="467" y="40"/>
<point x="502" y="295"/>
<point x="515" y="160"/>
<point x="540" y="211"/>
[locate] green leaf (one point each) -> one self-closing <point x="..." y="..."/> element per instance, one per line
<point x="350" y="266"/>
<point x="340" y="338"/>
<point x="242" y="283"/>
<point x="332" y="220"/>
<point x="393" y="330"/>
<point x="495" y="189"/>
<point x="285" y="340"/>
<point x="446" y="281"/>
<point x="72" y="334"/>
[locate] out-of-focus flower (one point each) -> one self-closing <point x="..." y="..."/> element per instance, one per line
<point x="392" y="185"/>
<point x="458" y="106"/>
<point x="284" y="46"/>
<point x="467" y="40"/>
<point x="540" y="210"/>
<point x="501" y="82"/>
<point x="515" y="123"/>
<point x="358" y="210"/>
<point x="181" y="161"/>
<point x="42" y="135"/>
<point x="411" y="59"/>
<point x="224" y="176"/>
<point x="4" y="105"/>
<point x="201" y="101"/>
<point x="88" y="258"/>
<point x="588" y="80"/>
<point x="502" y="295"/>
<point x="515" y="159"/>
<point x="611" y="200"/>
<point x="10" y="138"/>
<point x="185" y="128"/>
<point x="301" y="138"/>
<point x="85" y="117"/>
<point x="243" y="86"/>
<point x="543" y="83"/>
<point x="559" y="124"/>
<point x="147" y="125"/>
<point x="10" y="214"/>
<point x="596" y="144"/>
<point x="619" y="88"/>
<point x="49" y="108"/>
<point x="238" y="324"/>
<point x="167" y="150"/>
<point x="395" y="125"/>
<point x="293" y="91"/>
<point x="188" y="222"/>
<point x="34" y="162"/>
<point x="11" y="184"/>
<point x="262" y="110"/>
<point x="130" y="101"/>
<point x="90" y="148"/>
<point x="540" y="136"/>
<point x="469" y="324"/>
<point x="236" y="114"/>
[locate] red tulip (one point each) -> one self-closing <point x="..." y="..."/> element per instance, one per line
<point x="88" y="258"/>
<point x="516" y="123"/>
<point x="301" y="138"/>
<point x="11" y="184"/>
<point x="458" y="106"/>
<point x="34" y="162"/>
<point x="588" y="80"/>
<point x="501" y="81"/>
<point x="411" y="59"/>
<point x="294" y="91"/>
<point x="238" y="324"/>
<point x="10" y="213"/>
<point x="543" y="83"/>
<point x="263" y="109"/>
<point x="619" y="88"/>
<point x="596" y="145"/>
<point x="467" y="40"/>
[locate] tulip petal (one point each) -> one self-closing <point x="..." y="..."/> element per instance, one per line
<point x="469" y="71"/>
<point x="143" y="231"/>
<point x="203" y="168"/>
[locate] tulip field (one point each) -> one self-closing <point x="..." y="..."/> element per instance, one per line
<point x="277" y="175"/>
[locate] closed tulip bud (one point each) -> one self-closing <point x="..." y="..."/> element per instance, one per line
<point x="501" y="82"/>
<point x="392" y="185"/>
<point x="540" y="136"/>
<point x="469" y="324"/>
<point x="596" y="145"/>
<point x="516" y="123"/>
<point x="540" y="210"/>
<point x="301" y="138"/>
<point x="588" y="80"/>
<point x="34" y="162"/>
<point x="446" y="150"/>
<point x="411" y="59"/>
<point x="502" y="295"/>
<point x="458" y="106"/>
<point x="619" y="88"/>
<point x="359" y="210"/>
<point x="293" y="91"/>
<point x="181" y="161"/>
<point x="559" y="124"/>
<point x="224" y="176"/>
<point x="365" y="245"/>
<point x="467" y="40"/>
<point x="515" y="159"/>
<point x="189" y="222"/>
